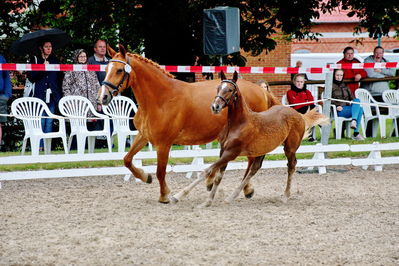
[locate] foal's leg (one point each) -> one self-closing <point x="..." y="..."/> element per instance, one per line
<point x="248" y="189"/>
<point x="215" y="185"/>
<point x="138" y="143"/>
<point x="184" y="192"/>
<point x="219" y="165"/>
<point x="251" y="171"/>
<point x="209" y="182"/>
<point x="291" y="157"/>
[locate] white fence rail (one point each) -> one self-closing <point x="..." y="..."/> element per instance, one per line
<point x="319" y="161"/>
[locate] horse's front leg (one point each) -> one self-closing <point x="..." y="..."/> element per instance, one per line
<point x="162" y="161"/>
<point x="220" y="165"/>
<point x="253" y="166"/>
<point x="138" y="143"/>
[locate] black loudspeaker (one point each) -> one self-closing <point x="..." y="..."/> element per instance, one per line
<point x="221" y="30"/>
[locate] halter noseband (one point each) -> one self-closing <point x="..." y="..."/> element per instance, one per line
<point x="127" y="69"/>
<point x="234" y="95"/>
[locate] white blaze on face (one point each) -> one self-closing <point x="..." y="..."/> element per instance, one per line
<point x="103" y="88"/>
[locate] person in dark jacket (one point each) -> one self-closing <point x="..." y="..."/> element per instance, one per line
<point x="345" y="109"/>
<point x="47" y="83"/>
<point x="5" y="94"/>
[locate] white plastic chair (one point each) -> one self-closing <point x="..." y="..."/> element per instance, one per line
<point x="77" y="108"/>
<point x="120" y="110"/>
<point x="30" y="110"/>
<point x="365" y="97"/>
<point x="391" y="97"/>
<point x="340" y="122"/>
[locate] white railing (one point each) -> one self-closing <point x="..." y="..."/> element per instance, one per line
<point x="319" y="160"/>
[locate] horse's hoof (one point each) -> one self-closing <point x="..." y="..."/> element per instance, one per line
<point x="209" y="187"/>
<point x="164" y="200"/>
<point x="249" y="195"/>
<point x="174" y="200"/>
<point x="149" y="179"/>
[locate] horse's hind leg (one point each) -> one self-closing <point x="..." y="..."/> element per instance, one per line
<point x="138" y="143"/>
<point x="162" y="161"/>
<point x="291" y="157"/>
<point x="251" y="171"/>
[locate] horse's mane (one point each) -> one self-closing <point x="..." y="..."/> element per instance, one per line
<point x="149" y="61"/>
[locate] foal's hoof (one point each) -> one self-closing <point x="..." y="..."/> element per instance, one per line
<point x="209" y="187"/>
<point x="250" y="194"/>
<point x="149" y="179"/>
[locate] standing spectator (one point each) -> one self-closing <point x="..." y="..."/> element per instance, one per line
<point x="299" y="94"/>
<point x="377" y="88"/>
<point x="345" y="109"/>
<point x="355" y="74"/>
<point x="298" y="64"/>
<point x="81" y="83"/>
<point x="263" y="84"/>
<point x="47" y="83"/>
<point x="99" y="58"/>
<point x="5" y="94"/>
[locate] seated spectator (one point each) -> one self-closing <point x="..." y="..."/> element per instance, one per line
<point x="263" y="84"/>
<point x="345" y="109"/>
<point x="299" y="94"/>
<point x="377" y="88"/>
<point x="355" y="74"/>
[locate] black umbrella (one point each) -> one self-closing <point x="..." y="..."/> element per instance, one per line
<point x="29" y="43"/>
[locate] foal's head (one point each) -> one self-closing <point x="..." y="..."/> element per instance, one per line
<point x="226" y="93"/>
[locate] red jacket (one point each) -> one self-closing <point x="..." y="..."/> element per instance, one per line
<point x="299" y="96"/>
<point x="351" y="73"/>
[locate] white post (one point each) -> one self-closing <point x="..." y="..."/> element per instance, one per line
<point x="325" y="130"/>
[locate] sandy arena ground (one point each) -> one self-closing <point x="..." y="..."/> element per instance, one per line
<point x="349" y="218"/>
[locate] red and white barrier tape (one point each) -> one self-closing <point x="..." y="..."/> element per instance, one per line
<point x="204" y="69"/>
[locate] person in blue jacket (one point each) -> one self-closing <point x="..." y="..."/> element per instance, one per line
<point x="47" y="83"/>
<point x="5" y="94"/>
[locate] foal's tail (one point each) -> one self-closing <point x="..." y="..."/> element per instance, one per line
<point x="313" y="118"/>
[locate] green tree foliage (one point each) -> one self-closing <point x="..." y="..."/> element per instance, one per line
<point x="170" y="32"/>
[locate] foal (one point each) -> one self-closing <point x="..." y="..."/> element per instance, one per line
<point x="253" y="135"/>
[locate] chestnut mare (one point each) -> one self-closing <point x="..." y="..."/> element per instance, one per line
<point x="254" y="134"/>
<point x="170" y="111"/>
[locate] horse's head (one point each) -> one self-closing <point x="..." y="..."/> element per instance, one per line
<point x="118" y="74"/>
<point x="226" y="93"/>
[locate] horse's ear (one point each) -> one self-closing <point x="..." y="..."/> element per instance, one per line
<point x="110" y="51"/>
<point x="222" y="75"/>
<point x="122" y="50"/>
<point x="235" y="76"/>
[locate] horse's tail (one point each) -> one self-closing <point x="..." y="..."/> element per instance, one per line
<point x="313" y="118"/>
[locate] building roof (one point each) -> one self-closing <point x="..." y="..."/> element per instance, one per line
<point x="336" y="16"/>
